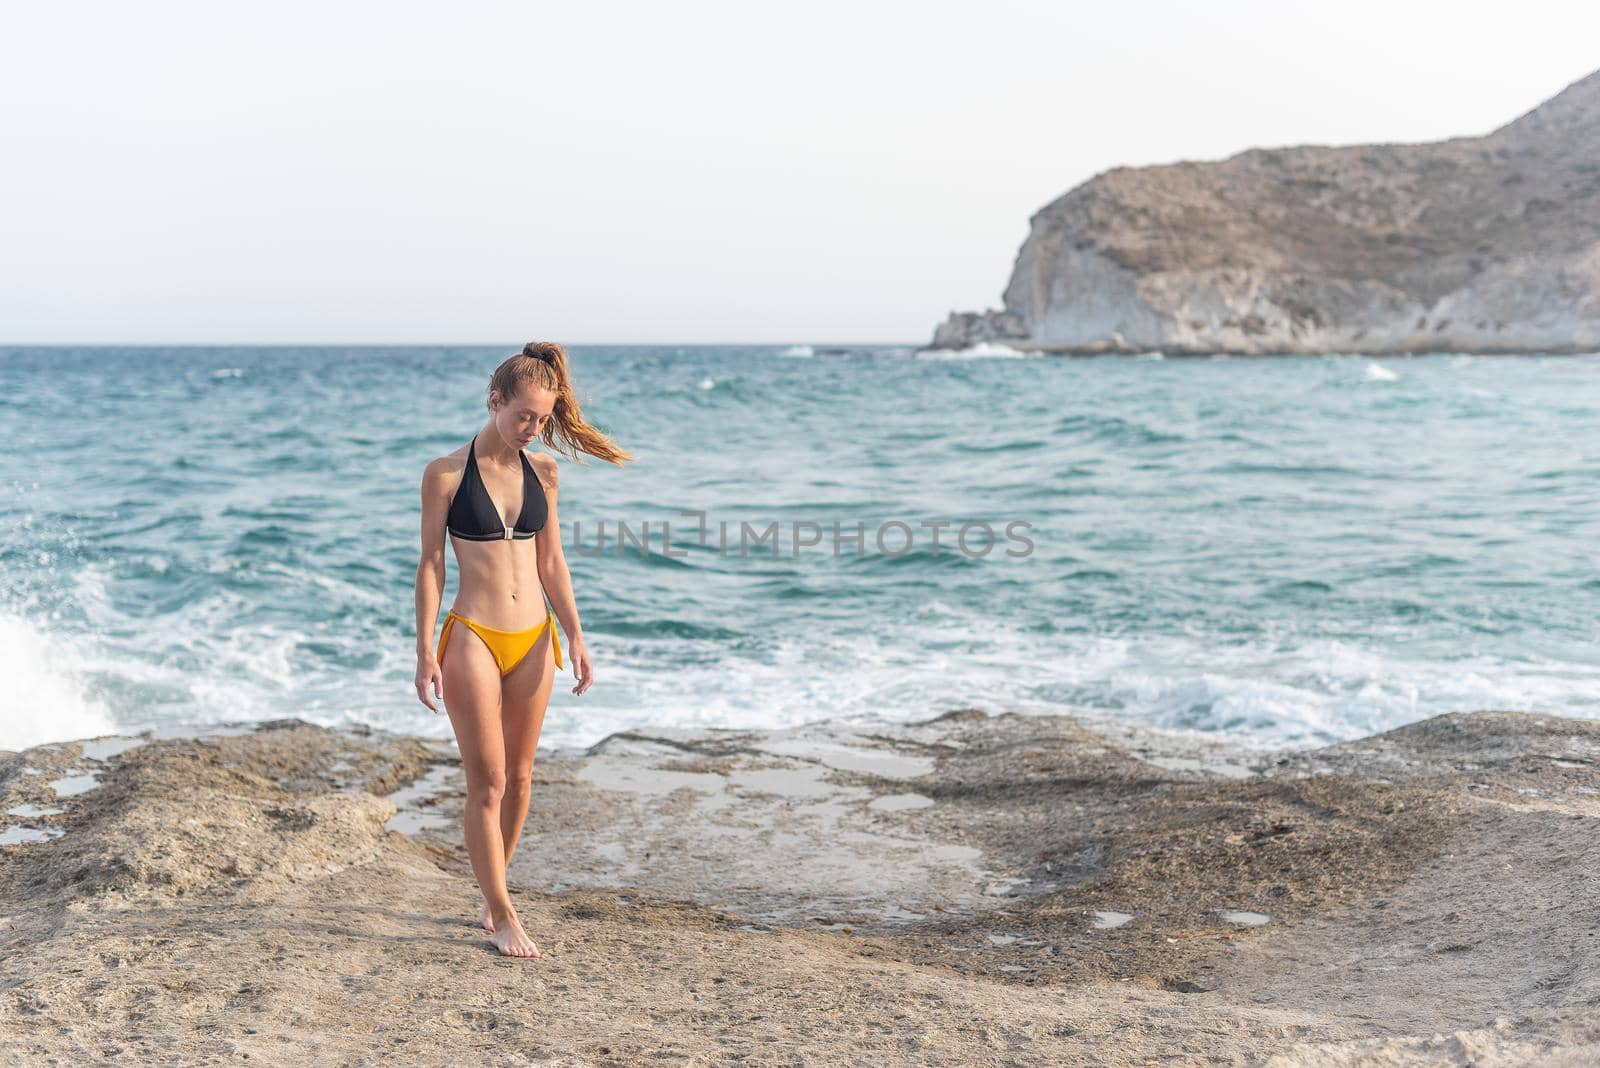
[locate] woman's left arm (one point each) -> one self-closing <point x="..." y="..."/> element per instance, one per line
<point x="554" y="577"/>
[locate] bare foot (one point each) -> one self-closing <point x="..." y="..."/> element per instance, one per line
<point x="486" y="921"/>
<point x="512" y="941"/>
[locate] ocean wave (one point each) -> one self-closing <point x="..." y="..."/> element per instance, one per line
<point x="216" y="661"/>
<point x="921" y="557"/>
<point x="1113" y="429"/>
<point x="1023" y="445"/>
<point x="983" y="350"/>
<point x="674" y="629"/>
<point x="47" y="695"/>
<point x="1227" y="548"/>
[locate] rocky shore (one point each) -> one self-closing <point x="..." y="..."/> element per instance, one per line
<point x="973" y="889"/>
<point x="1477" y="244"/>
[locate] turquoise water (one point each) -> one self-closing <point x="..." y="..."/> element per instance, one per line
<point x="1287" y="550"/>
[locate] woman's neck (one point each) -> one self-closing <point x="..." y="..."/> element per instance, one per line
<point x="489" y="443"/>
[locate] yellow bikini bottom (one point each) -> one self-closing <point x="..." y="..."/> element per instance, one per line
<point x="508" y="646"/>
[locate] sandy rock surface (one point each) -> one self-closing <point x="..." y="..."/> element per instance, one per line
<point x="969" y="890"/>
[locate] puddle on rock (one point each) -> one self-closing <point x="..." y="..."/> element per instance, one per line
<point x="33" y="811"/>
<point x="414" y="820"/>
<point x="27" y="835"/>
<point x="1007" y="887"/>
<point x="1252" y="919"/>
<point x="72" y="785"/>
<point x="785" y="782"/>
<point x="890" y="765"/>
<point x="106" y="748"/>
<point x="1106" y="920"/>
<point x="614" y="771"/>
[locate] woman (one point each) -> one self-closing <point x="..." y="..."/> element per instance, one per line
<point x="493" y="665"/>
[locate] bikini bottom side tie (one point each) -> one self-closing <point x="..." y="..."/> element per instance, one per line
<point x="507" y="646"/>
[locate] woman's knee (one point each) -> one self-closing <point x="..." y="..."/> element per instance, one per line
<point x="486" y="788"/>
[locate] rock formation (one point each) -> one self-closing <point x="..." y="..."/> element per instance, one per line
<point x="1476" y="244"/>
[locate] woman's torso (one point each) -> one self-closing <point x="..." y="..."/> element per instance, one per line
<point x="499" y="577"/>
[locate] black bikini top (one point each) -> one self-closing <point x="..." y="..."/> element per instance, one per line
<point x="474" y="516"/>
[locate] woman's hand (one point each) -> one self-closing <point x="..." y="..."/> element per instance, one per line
<point x="578" y="656"/>
<point x="429" y="677"/>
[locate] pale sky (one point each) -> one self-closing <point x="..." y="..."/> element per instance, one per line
<point x="675" y="172"/>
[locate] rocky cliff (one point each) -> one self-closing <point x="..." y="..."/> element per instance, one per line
<point x="1476" y="244"/>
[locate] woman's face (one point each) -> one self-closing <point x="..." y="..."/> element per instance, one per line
<point x="523" y="418"/>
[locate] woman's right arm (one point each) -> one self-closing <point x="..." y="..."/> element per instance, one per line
<point x="430" y="578"/>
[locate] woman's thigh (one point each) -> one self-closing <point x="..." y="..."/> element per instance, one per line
<point x="524" y="696"/>
<point x="472" y="698"/>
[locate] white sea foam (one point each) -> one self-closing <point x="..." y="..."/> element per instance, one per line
<point x="207" y="668"/>
<point x="1303" y="693"/>
<point x="1311" y="693"/>
<point x="982" y="350"/>
<point x="1377" y="372"/>
<point x="1315" y="693"/>
<point x="212" y="665"/>
<point x="44" y="698"/>
<point x="91" y="593"/>
<point x="798" y="350"/>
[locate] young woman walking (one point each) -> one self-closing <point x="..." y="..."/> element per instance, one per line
<point x="493" y="664"/>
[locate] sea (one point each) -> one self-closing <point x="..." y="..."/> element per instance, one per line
<point x="1284" y="550"/>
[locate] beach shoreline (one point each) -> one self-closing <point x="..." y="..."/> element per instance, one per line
<point x="970" y="888"/>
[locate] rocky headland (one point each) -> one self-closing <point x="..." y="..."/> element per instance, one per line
<point x="1477" y="244"/>
<point x="968" y="890"/>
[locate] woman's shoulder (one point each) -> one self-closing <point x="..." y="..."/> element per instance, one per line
<point x="544" y="465"/>
<point x="447" y="467"/>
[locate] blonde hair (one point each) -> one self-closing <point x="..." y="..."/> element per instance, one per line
<point x="543" y="364"/>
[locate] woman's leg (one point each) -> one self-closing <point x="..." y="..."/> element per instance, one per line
<point x="472" y="697"/>
<point x="524" y="696"/>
